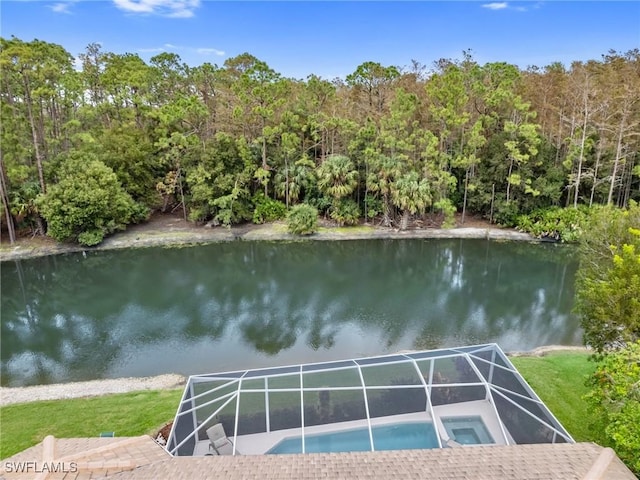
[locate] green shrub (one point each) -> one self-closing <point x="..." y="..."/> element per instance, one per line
<point x="198" y="214"/>
<point x="615" y="401"/>
<point x="345" y="212"/>
<point x="562" y="224"/>
<point x="267" y="209"/>
<point x="302" y="220"/>
<point x="233" y="208"/>
<point x="449" y="210"/>
<point x="506" y="213"/>
<point x="91" y="238"/>
<point x="321" y="203"/>
<point x="87" y="203"/>
<point x="373" y="206"/>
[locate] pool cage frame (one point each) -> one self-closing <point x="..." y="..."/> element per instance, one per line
<point x="490" y="374"/>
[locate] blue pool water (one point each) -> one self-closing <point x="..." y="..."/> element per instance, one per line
<point x="385" y="437"/>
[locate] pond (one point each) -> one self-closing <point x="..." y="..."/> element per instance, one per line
<point x="239" y="305"/>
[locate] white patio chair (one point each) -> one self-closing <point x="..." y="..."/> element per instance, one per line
<point x="220" y="443"/>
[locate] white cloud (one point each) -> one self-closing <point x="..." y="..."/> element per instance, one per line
<point x="182" y="48"/>
<point x="165" y="8"/>
<point x="63" y="6"/>
<point x="210" y="51"/>
<point x="496" y="5"/>
<point x="134" y="6"/>
<point x="520" y="7"/>
<point x="60" y="7"/>
<point x="151" y="50"/>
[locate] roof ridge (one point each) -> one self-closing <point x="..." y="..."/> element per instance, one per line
<point x="600" y="466"/>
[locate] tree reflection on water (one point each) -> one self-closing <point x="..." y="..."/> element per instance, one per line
<point x="249" y="304"/>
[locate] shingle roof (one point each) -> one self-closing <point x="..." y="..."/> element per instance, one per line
<point x="82" y="458"/>
<point x="141" y="458"/>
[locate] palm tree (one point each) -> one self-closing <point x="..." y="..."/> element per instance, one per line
<point x="411" y="194"/>
<point x="293" y="181"/>
<point x="337" y="176"/>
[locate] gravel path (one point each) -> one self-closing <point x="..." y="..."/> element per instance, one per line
<point x="91" y="388"/>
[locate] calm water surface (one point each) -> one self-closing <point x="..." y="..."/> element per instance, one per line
<point x="241" y="305"/>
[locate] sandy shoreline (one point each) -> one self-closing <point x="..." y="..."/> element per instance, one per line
<point x="94" y="388"/>
<point x="172" y="231"/>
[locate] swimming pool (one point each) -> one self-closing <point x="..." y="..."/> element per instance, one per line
<point x="399" y="436"/>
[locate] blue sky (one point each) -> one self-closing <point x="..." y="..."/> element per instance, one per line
<point x="331" y="38"/>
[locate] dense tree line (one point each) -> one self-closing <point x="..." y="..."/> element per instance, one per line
<point x="221" y="143"/>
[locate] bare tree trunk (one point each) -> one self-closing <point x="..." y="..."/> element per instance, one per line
<point x="493" y="197"/>
<point x="366" y="192"/>
<point x="286" y="181"/>
<point x="41" y="130"/>
<point x="184" y="206"/>
<point x="464" y="200"/>
<point x="595" y="171"/>
<point x="404" y="223"/>
<point x="509" y="179"/>
<point x="323" y="145"/>
<point x="559" y="142"/>
<point x="333" y="140"/>
<point x="264" y="158"/>
<point x="620" y="190"/>
<point x="386" y="215"/>
<point x="40" y="228"/>
<point x="34" y="136"/>
<point x="264" y="154"/>
<point x="616" y="162"/>
<point x="582" y="142"/>
<point x="572" y="130"/>
<point x="627" y="188"/>
<point x="5" y="201"/>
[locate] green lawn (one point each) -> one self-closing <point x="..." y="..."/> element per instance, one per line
<point x="130" y="414"/>
<point x="557" y="378"/>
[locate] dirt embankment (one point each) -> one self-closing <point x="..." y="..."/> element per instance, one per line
<point x="166" y="230"/>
